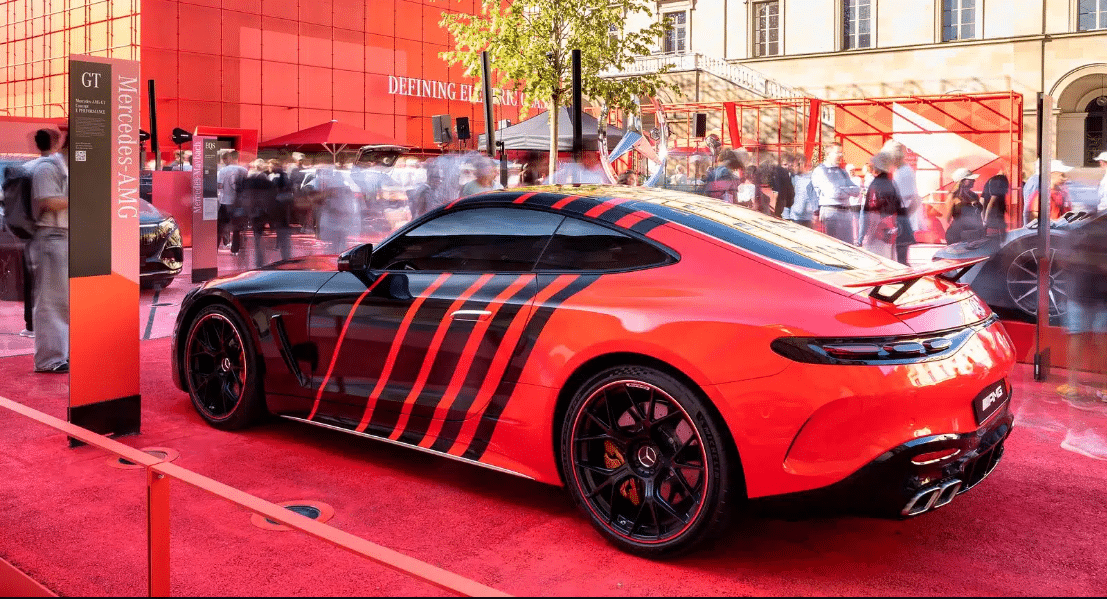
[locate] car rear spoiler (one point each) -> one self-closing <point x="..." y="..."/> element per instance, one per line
<point x="950" y="269"/>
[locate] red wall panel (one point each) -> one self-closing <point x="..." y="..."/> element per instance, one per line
<point x="283" y="65"/>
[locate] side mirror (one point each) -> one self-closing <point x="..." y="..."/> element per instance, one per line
<point x="355" y="259"/>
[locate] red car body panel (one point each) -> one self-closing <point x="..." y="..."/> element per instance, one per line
<point x="712" y="315"/>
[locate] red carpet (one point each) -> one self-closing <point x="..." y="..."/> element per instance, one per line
<point x="77" y="525"/>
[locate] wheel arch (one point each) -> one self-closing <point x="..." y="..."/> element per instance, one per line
<point x="212" y="299"/>
<point x="599" y="363"/>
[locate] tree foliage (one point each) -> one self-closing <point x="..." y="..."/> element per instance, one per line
<point x="530" y="44"/>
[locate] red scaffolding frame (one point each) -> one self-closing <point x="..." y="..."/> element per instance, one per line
<point x="982" y="132"/>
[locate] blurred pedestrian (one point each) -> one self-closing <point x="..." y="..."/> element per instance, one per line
<point x="878" y="225"/>
<point x="802" y="210"/>
<point x="49" y="251"/>
<point x="834" y="189"/>
<point x="1085" y="260"/>
<point x="723" y="181"/>
<point x="339" y="213"/>
<point x="485" y="173"/>
<point x="779" y="179"/>
<point x="907" y="186"/>
<point x="1059" y="200"/>
<point x="279" y="213"/>
<point x="259" y="195"/>
<point x="628" y="177"/>
<point x="230" y="179"/>
<point x="1102" y="189"/>
<point x="994" y="199"/>
<point x="967" y="213"/>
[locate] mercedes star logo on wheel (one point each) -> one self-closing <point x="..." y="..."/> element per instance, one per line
<point x="647" y="456"/>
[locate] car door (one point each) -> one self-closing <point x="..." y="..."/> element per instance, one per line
<point x="415" y="340"/>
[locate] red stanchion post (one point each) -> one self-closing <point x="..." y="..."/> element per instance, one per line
<point x="157" y="532"/>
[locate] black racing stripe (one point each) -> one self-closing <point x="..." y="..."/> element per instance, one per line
<point x="613" y="215"/>
<point x="413" y="350"/>
<point x="644" y="226"/>
<point x="544" y="200"/>
<point x="446" y="362"/>
<point x="581" y="205"/>
<point x="523" y="348"/>
<point x="482" y="362"/>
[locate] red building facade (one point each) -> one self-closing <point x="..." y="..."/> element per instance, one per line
<point x="272" y="67"/>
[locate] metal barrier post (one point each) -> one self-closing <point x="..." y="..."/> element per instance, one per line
<point x="157" y="532"/>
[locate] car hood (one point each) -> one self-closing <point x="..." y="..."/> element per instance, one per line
<point x="325" y="262"/>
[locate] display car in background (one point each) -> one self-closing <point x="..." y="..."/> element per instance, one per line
<point x="663" y="355"/>
<point x="1008" y="279"/>
<point x="160" y="252"/>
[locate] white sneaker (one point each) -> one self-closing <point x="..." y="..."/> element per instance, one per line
<point x="26" y="333"/>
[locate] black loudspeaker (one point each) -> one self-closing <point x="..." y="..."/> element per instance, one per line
<point x="701" y="125"/>
<point x="440" y="124"/>
<point x="463" y="127"/>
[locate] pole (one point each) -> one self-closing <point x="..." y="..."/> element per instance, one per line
<point x="486" y="84"/>
<point x="1045" y="159"/>
<point x="154" y="126"/>
<point x="578" y="124"/>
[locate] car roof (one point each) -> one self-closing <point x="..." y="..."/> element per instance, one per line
<point x="642" y="209"/>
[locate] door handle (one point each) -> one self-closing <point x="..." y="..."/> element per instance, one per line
<point x="473" y="315"/>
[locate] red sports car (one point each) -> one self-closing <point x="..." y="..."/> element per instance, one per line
<point x="661" y="354"/>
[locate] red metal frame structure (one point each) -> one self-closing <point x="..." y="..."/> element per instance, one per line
<point x="982" y="132"/>
<point x="158" y="474"/>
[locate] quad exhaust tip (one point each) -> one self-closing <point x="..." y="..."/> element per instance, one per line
<point x="932" y="497"/>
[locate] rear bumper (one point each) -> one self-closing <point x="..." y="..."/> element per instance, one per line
<point x="921" y="475"/>
<point x="905" y="482"/>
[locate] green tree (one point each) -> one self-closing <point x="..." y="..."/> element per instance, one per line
<point x="530" y="44"/>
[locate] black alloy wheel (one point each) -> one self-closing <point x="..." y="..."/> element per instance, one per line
<point x="646" y="462"/>
<point x="1022" y="283"/>
<point x="220" y="367"/>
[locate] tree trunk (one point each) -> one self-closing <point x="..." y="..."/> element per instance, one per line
<point x="555" y="110"/>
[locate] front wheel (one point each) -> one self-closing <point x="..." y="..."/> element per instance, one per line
<point x="646" y="461"/>
<point x="220" y="367"/>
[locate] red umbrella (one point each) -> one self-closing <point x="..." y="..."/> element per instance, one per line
<point x="332" y="137"/>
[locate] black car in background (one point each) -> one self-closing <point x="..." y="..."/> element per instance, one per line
<point x="1008" y="282"/>
<point x="160" y="251"/>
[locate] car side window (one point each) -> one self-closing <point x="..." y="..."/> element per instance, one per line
<point x="494" y="239"/>
<point x="581" y="245"/>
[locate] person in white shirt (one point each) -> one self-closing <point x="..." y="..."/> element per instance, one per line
<point x="834" y="190"/>
<point x="1102" y="191"/>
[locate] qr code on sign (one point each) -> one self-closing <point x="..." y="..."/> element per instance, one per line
<point x="80" y="155"/>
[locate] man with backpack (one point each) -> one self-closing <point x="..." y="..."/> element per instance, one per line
<point x="49" y="251"/>
<point x="17" y="212"/>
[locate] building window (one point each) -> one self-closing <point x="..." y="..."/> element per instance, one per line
<point x="858" y="21"/>
<point x="1091" y="14"/>
<point x="1095" y="130"/>
<point x="766" y="18"/>
<point x="676" y="37"/>
<point x="958" y="20"/>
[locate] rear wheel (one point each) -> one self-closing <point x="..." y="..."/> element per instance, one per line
<point x="645" y="460"/>
<point x="220" y="367"/>
<point x="1022" y="284"/>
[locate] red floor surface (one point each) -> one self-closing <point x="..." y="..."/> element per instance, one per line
<point x="77" y="525"/>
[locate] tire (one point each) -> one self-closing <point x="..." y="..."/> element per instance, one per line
<point x="653" y="486"/>
<point x="1020" y="278"/>
<point x="220" y="366"/>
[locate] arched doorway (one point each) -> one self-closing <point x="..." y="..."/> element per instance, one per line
<point x="1095" y="129"/>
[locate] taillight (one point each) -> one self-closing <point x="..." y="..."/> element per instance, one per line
<point x="903" y="349"/>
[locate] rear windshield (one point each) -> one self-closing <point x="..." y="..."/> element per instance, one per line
<point x="773" y="238"/>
